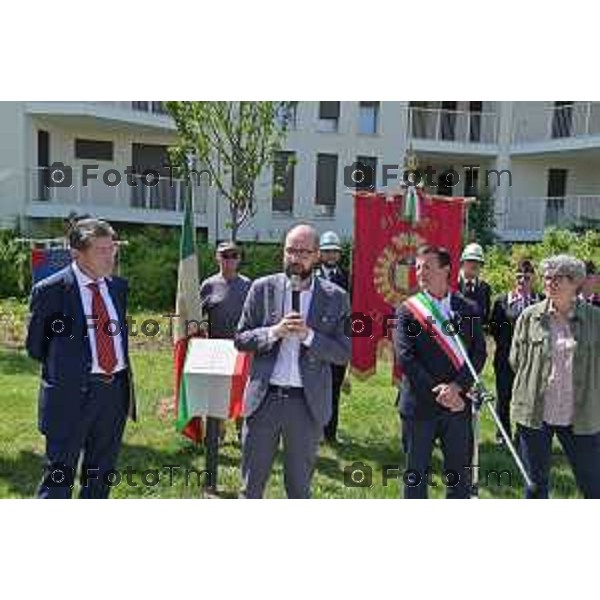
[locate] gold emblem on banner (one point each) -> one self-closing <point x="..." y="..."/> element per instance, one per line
<point x="391" y="273"/>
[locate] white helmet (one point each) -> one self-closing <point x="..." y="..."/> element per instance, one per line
<point x="472" y="252"/>
<point x="330" y="240"/>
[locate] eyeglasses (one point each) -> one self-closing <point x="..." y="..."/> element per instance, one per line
<point x="523" y="277"/>
<point x="230" y="255"/>
<point x="300" y="252"/>
<point x="555" y="279"/>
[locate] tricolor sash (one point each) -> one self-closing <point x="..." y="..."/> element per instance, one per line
<point x="431" y="317"/>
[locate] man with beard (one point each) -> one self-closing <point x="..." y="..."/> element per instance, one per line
<point x="294" y="325"/>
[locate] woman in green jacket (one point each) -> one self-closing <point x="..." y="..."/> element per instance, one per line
<point x="555" y="354"/>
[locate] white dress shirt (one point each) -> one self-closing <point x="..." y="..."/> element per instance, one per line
<point x="329" y="271"/>
<point x="287" y="366"/>
<point x="86" y="296"/>
<point x="444" y="304"/>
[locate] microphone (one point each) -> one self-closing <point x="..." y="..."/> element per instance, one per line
<point x="296" y="282"/>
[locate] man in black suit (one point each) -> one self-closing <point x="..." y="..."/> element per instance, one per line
<point x="433" y="396"/>
<point x="507" y="309"/>
<point x="330" y="252"/>
<point x="470" y="284"/>
<point x="78" y="332"/>
<point x="588" y="293"/>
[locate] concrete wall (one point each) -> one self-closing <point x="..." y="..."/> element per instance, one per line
<point x="13" y="152"/>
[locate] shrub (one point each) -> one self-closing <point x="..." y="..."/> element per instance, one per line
<point x="15" y="268"/>
<point x="502" y="260"/>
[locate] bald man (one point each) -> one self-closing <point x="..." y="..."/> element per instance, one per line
<point x="294" y="324"/>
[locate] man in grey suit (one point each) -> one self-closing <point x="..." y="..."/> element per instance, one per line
<point x="289" y="390"/>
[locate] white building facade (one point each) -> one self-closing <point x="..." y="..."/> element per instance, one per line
<point x="539" y="160"/>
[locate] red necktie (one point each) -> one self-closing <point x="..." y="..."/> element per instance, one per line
<point x="105" y="347"/>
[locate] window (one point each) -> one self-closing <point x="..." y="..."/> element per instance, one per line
<point x="93" y="150"/>
<point x="283" y="183"/>
<point x="444" y="186"/>
<point x="145" y="106"/>
<point x="370" y="172"/>
<point x="471" y="181"/>
<point x="368" y="117"/>
<point x="287" y="114"/>
<point x="475" y="110"/>
<point x="329" y="114"/>
<point x="556" y="191"/>
<point x="448" y="121"/>
<point x="562" y="120"/>
<point x="420" y="116"/>
<point x="158" y="107"/>
<point x="326" y="179"/>
<point x="43" y="162"/>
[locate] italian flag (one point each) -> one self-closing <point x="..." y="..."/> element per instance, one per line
<point x="412" y="209"/>
<point x="188" y="308"/>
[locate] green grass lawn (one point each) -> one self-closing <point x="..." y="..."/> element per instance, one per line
<point x="369" y="426"/>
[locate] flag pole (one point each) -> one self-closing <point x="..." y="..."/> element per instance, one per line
<point x="482" y="397"/>
<point x="211" y="440"/>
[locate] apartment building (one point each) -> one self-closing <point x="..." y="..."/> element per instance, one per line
<point x="538" y="159"/>
<point x="110" y="135"/>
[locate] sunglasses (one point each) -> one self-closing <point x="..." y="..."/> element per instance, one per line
<point x="523" y="277"/>
<point x="230" y="255"/>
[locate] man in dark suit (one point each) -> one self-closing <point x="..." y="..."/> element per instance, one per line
<point x="295" y="326"/>
<point x="78" y="332"/>
<point x="507" y="309"/>
<point x="470" y="284"/>
<point x="433" y="397"/>
<point x="590" y="285"/>
<point x="330" y="252"/>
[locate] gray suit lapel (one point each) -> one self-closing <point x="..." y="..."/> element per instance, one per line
<point x="316" y="305"/>
<point x="277" y="299"/>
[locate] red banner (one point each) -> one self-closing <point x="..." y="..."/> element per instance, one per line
<point x="383" y="273"/>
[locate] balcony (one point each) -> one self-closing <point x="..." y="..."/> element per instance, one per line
<point x="453" y="127"/>
<point x="159" y="204"/>
<point x="526" y="218"/>
<point x="559" y="127"/>
<point x="147" y="115"/>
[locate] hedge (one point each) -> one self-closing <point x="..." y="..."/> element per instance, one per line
<point x="150" y="261"/>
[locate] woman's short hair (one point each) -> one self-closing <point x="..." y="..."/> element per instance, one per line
<point x="564" y="265"/>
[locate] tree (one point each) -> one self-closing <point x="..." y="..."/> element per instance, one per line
<point x="234" y="142"/>
<point x="481" y="221"/>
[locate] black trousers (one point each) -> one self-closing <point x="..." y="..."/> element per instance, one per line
<point x="582" y="452"/>
<point x="456" y="435"/>
<point x="504" y="383"/>
<point x="96" y="438"/>
<point x="337" y="378"/>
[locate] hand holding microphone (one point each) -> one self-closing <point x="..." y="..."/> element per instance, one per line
<point x="292" y="324"/>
